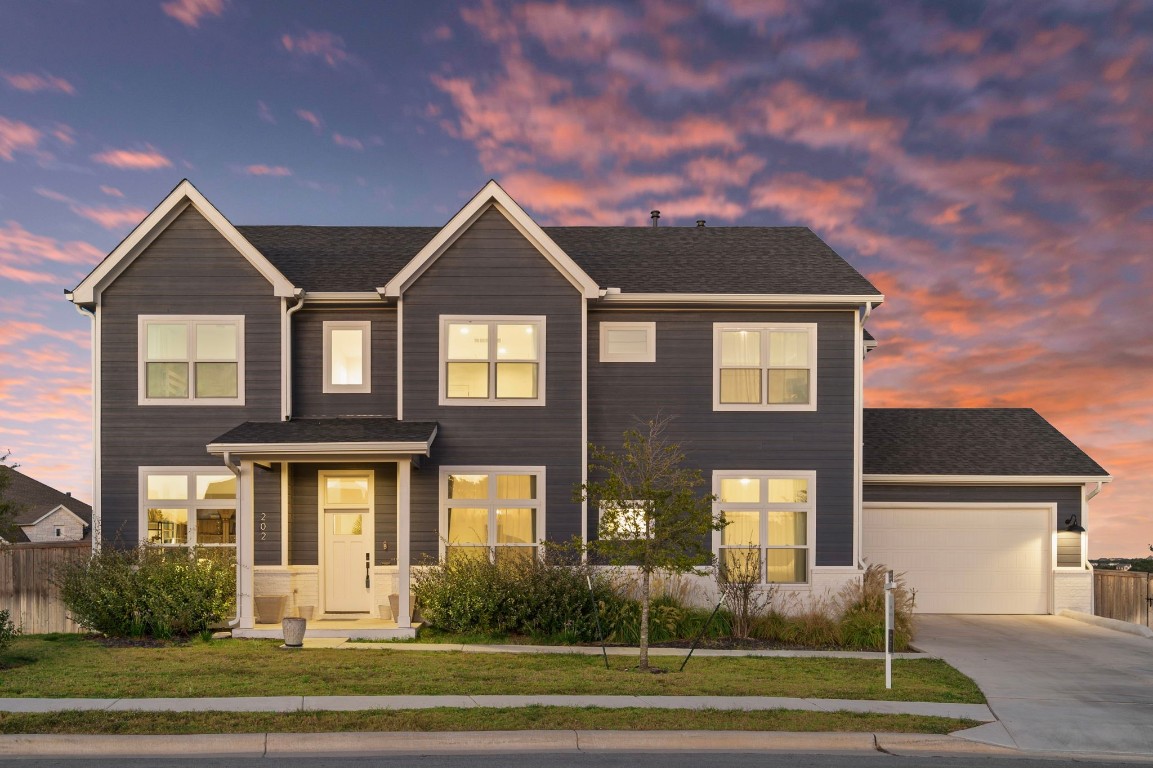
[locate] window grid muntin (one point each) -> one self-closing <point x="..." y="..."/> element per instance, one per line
<point x="493" y="504"/>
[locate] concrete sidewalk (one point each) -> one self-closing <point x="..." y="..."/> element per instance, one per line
<point x="361" y="703"/>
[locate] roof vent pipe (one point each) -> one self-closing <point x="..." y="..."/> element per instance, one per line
<point x="656" y="215"/>
<point x="701" y="223"/>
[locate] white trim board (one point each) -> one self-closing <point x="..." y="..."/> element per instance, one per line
<point x="786" y="299"/>
<point x="984" y="479"/>
<point x="184" y="195"/>
<point x="491" y="195"/>
<point x="344" y="449"/>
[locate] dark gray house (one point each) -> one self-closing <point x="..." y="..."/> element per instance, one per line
<point x="339" y="403"/>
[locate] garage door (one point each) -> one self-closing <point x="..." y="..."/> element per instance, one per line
<point x="965" y="560"/>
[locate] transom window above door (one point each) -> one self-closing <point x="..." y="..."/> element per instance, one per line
<point x="492" y="360"/>
<point x="764" y="367"/>
<point x="191" y="360"/>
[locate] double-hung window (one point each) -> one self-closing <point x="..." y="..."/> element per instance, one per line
<point x="491" y="512"/>
<point x="770" y="524"/>
<point x="191" y="360"/>
<point x="492" y="360"/>
<point x="764" y="367"/>
<point x="347" y="356"/>
<point x="183" y="506"/>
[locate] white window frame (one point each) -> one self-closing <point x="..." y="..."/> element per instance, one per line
<point x="492" y="503"/>
<point x="809" y="507"/>
<point x="648" y="356"/>
<point x="191" y="321"/>
<point x="365" y="328"/>
<point x="492" y="321"/>
<point x="764" y="329"/>
<point x="191" y="504"/>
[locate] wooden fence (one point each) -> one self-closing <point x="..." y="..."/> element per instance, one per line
<point x="1123" y="595"/>
<point x="26" y="588"/>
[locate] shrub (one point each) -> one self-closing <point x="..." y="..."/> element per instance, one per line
<point x="546" y="597"/>
<point x="149" y="591"/>
<point x="8" y="630"/>
<point x="739" y="585"/>
<point x="862" y="609"/>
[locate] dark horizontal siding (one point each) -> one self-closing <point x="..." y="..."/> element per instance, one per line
<point x="190" y="269"/>
<point x="304" y="509"/>
<point x="680" y="385"/>
<point x="1066" y="497"/>
<point x="267" y="525"/>
<point x="492" y="270"/>
<point x="308" y="397"/>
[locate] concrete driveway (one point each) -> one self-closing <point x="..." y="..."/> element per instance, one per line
<point x="1054" y="683"/>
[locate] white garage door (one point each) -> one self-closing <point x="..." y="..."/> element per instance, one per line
<point x="965" y="560"/>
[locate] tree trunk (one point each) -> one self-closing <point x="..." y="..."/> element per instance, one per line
<point x="644" y="663"/>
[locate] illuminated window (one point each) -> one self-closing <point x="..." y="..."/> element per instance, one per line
<point x="188" y="360"/>
<point x="347" y="356"/>
<point x="764" y="367"/>
<point x="183" y="507"/>
<point x="769" y="531"/>
<point x="492" y="512"/>
<point x="492" y="360"/>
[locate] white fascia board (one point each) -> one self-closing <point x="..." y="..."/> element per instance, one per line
<point x="346" y="449"/>
<point x="343" y="297"/>
<point x="53" y="511"/>
<point x="788" y="299"/>
<point x="154" y="223"/>
<point x="986" y="479"/>
<point x="491" y="194"/>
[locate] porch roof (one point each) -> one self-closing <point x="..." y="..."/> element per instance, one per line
<point x="361" y="435"/>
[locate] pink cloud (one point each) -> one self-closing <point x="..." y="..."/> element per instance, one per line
<point x="267" y="170"/>
<point x="17" y="137"/>
<point x="821" y="52"/>
<point x="821" y="204"/>
<point x="190" y="12"/>
<point x="111" y="191"/>
<point x="30" y="82"/>
<point x="148" y="159"/>
<point x="347" y="141"/>
<point x="19" y="246"/>
<point x="265" y="113"/>
<point x="111" y="218"/>
<point x="311" y="118"/>
<point x="712" y="172"/>
<point x="64" y="134"/>
<point x="325" y="46"/>
<point x="789" y="111"/>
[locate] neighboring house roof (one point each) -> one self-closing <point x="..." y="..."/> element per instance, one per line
<point x="721" y="260"/>
<point x="34" y="499"/>
<point x="372" y="433"/>
<point x="992" y="442"/>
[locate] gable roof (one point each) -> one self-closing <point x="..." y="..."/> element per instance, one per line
<point x="987" y="442"/>
<point x="35" y="499"/>
<point x="179" y="199"/>
<point x="373" y="434"/>
<point x="637" y="260"/>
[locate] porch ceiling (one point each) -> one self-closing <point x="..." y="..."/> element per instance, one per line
<point x="352" y="435"/>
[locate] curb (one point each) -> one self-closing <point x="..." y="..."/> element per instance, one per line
<point x="1114" y="624"/>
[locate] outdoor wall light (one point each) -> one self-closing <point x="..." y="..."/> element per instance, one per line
<point x="1072" y="525"/>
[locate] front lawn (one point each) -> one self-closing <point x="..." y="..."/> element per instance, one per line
<point x="79" y="666"/>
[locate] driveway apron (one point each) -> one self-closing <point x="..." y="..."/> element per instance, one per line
<point x="1055" y="684"/>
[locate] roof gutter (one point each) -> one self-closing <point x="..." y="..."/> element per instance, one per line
<point x="1097" y="490"/>
<point x="286" y="379"/>
<point x="788" y="299"/>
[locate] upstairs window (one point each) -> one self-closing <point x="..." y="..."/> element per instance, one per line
<point x="628" y="342"/>
<point x="492" y="360"/>
<point x="191" y="360"/>
<point x="347" y="356"/>
<point x="764" y="367"/>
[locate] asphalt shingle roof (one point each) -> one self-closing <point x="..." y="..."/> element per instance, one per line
<point x="969" y="441"/>
<point x="34" y="499"/>
<point x="355" y="429"/>
<point x="781" y="260"/>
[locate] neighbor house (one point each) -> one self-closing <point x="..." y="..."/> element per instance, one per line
<point x="342" y="403"/>
<point x="43" y="514"/>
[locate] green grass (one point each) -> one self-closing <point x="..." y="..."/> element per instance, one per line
<point x="75" y="666"/>
<point x="527" y="718"/>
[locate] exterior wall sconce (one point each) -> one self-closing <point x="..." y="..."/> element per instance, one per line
<point x="1072" y="526"/>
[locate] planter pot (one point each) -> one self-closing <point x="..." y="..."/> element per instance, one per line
<point x="270" y="609"/>
<point x="293" y="629"/>
<point x="394" y="606"/>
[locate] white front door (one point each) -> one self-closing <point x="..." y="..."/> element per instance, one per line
<point x="346" y="532"/>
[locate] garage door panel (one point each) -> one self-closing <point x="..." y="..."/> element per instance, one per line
<point x="965" y="560"/>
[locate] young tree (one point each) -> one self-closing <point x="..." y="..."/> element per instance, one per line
<point x="652" y="514"/>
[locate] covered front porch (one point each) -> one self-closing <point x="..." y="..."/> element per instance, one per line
<point x="323" y="524"/>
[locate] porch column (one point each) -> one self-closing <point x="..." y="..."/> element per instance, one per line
<point x="403" y="556"/>
<point x="245" y="549"/>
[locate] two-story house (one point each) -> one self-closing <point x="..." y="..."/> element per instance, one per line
<point x="341" y="403"/>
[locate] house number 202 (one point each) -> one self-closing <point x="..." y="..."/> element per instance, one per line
<point x="263" y="526"/>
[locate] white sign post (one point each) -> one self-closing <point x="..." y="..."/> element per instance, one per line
<point x="889" y="621"/>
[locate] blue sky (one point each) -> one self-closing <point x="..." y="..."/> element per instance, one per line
<point x="987" y="165"/>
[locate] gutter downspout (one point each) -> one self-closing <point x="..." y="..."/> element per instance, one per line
<point x="95" y="361"/>
<point x="1095" y="491"/>
<point x="299" y="294"/>
<point x="236" y="471"/>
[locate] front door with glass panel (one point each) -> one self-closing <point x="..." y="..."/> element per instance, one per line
<point x="346" y="515"/>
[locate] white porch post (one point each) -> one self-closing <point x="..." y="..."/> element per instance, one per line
<point x="403" y="555"/>
<point x="245" y="539"/>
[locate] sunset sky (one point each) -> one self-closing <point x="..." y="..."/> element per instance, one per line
<point x="989" y="166"/>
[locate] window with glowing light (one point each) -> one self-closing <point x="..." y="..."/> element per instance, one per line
<point x="491" y="512"/>
<point x="191" y="360"/>
<point x="770" y="524"/>
<point x="764" y="367"/>
<point x="492" y="360"/>
<point x="185" y="507"/>
<point x="347" y="356"/>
